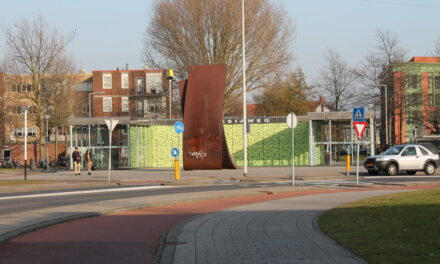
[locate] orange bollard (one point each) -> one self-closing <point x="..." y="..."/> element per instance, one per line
<point x="176" y="170"/>
<point x="348" y="164"/>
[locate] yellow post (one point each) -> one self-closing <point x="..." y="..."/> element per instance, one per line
<point x="347" y="164"/>
<point x="176" y="170"/>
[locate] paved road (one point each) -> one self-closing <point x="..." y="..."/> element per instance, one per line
<point x="14" y="203"/>
<point x="127" y="237"/>
<point x="279" y="231"/>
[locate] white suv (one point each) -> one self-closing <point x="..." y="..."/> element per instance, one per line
<point x="410" y="158"/>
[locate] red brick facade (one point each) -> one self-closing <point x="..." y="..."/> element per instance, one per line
<point x="117" y="93"/>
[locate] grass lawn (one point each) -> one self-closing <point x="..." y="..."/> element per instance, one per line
<point x="21" y="182"/>
<point x="398" y="228"/>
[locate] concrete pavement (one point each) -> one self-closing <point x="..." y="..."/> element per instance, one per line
<point x="278" y="231"/>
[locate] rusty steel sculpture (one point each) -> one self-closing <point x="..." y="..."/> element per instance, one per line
<point x="204" y="142"/>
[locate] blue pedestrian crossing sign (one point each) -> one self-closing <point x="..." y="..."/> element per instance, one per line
<point x="179" y="127"/>
<point x="359" y="114"/>
<point x="175" y="152"/>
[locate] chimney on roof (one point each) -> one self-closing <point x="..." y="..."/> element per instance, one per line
<point x="82" y="71"/>
<point x="127" y="67"/>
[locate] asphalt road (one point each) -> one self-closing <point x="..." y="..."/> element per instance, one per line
<point x="24" y="201"/>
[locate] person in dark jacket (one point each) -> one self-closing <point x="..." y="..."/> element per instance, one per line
<point x="89" y="161"/>
<point x="76" y="157"/>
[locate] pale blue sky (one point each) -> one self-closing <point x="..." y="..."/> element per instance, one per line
<point x="109" y="33"/>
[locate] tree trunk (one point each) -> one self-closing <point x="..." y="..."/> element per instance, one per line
<point x="56" y="144"/>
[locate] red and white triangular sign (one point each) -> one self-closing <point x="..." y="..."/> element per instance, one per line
<point x="359" y="127"/>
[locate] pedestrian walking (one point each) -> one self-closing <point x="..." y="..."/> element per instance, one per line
<point x="89" y="161"/>
<point x="76" y="156"/>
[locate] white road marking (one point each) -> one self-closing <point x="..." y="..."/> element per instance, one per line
<point x="400" y="176"/>
<point x="84" y="192"/>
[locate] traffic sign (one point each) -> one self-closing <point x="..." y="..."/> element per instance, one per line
<point x="111" y="123"/>
<point x="291" y="120"/>
<point x="360" y="127"/>
<point x="179" y="127"/>
<point x="175" y="152"/>
<point x="359" y="114"/>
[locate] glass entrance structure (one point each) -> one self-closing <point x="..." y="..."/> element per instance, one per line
<point x="323" y="138"/>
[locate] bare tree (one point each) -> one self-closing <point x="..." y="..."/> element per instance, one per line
<point x="386" y="52"/>
<point x="337" y="82"/>
<point x="183" y="33"/>
<point x="36" y="54"/>
<point x="437" y="47"/>
<point x="284" y="94"/>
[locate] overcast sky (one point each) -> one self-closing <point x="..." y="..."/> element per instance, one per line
<point x="109" y="33"/>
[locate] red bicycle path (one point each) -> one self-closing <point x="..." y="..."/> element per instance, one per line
<point x="127" y="237"/>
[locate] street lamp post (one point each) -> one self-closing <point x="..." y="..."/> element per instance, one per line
<point x="47" y="141"/>
<point x="386" y="110"/>
<point x="372" y="141"/>
<point x="90" y="109"/>
<point x="25" y="109"/>
<point x="245" y="162"/>
<point x="170" y="76"/>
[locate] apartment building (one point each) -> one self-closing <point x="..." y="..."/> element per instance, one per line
<point x="132" y="93"/>
<point x="17" y="92"/>
<point x="411" y="92"/>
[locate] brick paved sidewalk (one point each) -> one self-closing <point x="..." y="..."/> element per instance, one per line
<point x="278" y="231"/>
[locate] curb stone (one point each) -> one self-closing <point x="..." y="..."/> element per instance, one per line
<point x="44" y="223"/>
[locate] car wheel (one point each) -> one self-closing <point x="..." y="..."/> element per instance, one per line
<point x="411" y="172"/>
<point x="372" y="172"/>
<point x="391" y="169"/>
<point x="429" y="168"/>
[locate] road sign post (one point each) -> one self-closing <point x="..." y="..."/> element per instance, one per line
<point x="179" y="127"/>
<point x="111" y="124"/>
<point x="292" y="121"/>
<point x="359" y="127"/>
<point x="359" y="114"/>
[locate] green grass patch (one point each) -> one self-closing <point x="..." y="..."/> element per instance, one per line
<point x="398" y="228"/>
<point x="11" y="169"/>
<point x="22" y="182"/>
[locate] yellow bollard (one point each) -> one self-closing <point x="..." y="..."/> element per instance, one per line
<point x="347" y="164"/>
<point x="176" y="170"/>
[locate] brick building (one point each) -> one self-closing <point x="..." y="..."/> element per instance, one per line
<point x="413" y="97"/>
<point x="133" y="93"/>
<point x="17" y="91"/>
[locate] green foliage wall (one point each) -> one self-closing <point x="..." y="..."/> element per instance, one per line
<point x="151" y="146"/>
<point x="268" y="145"/>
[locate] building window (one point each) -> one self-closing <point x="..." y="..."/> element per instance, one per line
<point x="154" y="82"/>
<point x="155" y="105"/>
<point x="106" y="104"/>
<point x="139" y="85"/>
<point x="85" y="109"/>
<point x="22" y="87"/>
<point x="434" y="91"/>
<point x="84" y="87"/>
<point x="124" y="80"/>
<point x="107" y="81"/>
<point x="140" y="108"/>
<point x="18" y="110"/>
<point x="124" y="104"/>
<point x="19" y="132"/>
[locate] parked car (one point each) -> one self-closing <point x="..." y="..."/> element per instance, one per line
<point x="409" y="157"/>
